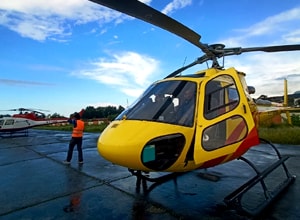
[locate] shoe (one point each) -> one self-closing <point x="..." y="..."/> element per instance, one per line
<point x="68" y="208"/>
<point x="66" y="162"/>
<point x="80" y="162"/>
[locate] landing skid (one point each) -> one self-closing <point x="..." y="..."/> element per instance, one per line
<point x="236" y="199"/>
<point x="13" y="134"/>
<point x="142" y="180"/>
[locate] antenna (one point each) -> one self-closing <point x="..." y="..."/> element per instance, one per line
<point x="184" y="61"/>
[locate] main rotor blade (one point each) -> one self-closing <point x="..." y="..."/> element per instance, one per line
<point x="148" y="14"/>
<point x="280" y="48"/>
<point x="26" y="109"/>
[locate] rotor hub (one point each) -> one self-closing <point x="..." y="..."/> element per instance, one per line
<point x="216" y="47"/>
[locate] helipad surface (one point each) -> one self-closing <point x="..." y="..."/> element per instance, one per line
<point x="35" y="184"/>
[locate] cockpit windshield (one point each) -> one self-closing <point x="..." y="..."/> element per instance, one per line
<point x="168" y="102"/>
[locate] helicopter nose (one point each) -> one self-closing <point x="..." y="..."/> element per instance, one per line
<point x="144" y="148"/>
<point x="120" y="154"/>
<point x="120" y="147"/>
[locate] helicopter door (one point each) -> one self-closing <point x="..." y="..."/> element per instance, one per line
<point x="224" y="120"/>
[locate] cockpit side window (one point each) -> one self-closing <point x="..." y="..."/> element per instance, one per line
<point x="221" y="96"/>
<point x="186" y="105"/>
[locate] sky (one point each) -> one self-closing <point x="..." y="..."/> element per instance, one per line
<point x="62" y="56"/>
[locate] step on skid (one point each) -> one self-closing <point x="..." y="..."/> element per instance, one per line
<point x="259" y="192"/>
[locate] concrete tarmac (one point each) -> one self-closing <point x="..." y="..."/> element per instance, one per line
<point x="35" y="184"/>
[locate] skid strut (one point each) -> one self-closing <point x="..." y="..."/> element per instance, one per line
<point x="235" y="199"/>
<point x="143" y="178"/>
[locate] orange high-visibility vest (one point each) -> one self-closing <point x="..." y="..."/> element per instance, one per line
<point x="78" y="131"/>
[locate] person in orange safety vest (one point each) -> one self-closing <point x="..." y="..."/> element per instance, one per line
<point x="77" y="134"/>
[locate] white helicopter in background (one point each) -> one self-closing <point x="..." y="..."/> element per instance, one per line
<point x="25" y="119"/>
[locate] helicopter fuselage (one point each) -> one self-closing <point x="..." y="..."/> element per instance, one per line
<point x="183" y="123"/>
<point x="23" y="121"/>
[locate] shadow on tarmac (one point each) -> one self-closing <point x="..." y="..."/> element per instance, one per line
<point x="37" y="185"/>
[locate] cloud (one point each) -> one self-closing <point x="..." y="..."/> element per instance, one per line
<point x="127" y="71"/>
<point x="281" y="28"/>
<point x="273" y="24"/>
<point x="176" y="4"/>
<point x="266" y="71"/>
<point x="292" y="36"/>
<point x="42" y="20"/>
<point x="11" y="82"/>
<point x="54" y="20"/>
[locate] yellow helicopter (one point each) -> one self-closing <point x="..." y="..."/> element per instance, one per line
<point x="186" y="122"/>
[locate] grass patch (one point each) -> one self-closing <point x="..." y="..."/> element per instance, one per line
<point x="88" y="128"/>
<point x="281" y="134"/>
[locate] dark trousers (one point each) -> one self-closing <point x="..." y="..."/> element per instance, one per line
<point x="75" y="141"/>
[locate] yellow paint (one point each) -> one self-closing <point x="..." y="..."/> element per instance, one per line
<point x="123" y="141"/>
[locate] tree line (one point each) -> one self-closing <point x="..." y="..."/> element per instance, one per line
<point x="90" y="112"/>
